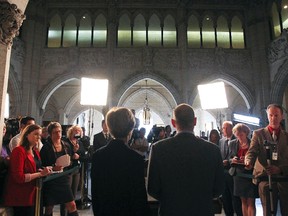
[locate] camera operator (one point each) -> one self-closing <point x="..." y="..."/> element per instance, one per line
<point x="256" y="157"/>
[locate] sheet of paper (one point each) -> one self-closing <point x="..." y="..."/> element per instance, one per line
<point x="63" y="161"/>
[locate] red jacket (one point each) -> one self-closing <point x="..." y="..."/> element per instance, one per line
<point x="18" y="192"/>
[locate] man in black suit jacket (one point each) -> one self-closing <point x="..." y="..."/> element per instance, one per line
<point x="185" y="172"/>
<point x="102" y="138"/>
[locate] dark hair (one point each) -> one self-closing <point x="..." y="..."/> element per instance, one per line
<point x="214" y="131"/>
<point x="25" y="119"/>
<point x="24" y="137"/>
<point x="53" y="125"/>
<point x="102" y="122"/>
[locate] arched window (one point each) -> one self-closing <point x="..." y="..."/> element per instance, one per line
<point x="208" y="33"/>
<point x="275" y="20"/>
<point x="223" y="40"/>
<point x="139" y="31"/>
<point x="193" y="32"/>
<point x="100" y="32"/>
<point x="284" y="13"/>
<point x="85" y="31"/>
<point x="237" y="33"/>
<point x="69" y="36"/>
<point x="154" y="31"/>
<point x="169" y="32"/>
<point x="124" y="31"/>
<point x="54" y="32"/>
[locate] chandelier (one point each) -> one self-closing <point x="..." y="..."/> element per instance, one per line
<point x="146" y="110"/>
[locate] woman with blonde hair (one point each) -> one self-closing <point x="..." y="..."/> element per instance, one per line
<point x="74" y="133"/>
<point x="243" y="187"/>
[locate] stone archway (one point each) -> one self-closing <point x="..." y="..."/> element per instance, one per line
<point x="279" y="84"/>
<point x="241" y="88"/>
<point x="142" y="76"/>
<point x="52" y="87"/>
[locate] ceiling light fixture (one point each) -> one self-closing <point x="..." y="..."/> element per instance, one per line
<point x="146" y="110"/>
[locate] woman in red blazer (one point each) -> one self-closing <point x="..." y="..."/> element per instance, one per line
<point x="24" y="169"/>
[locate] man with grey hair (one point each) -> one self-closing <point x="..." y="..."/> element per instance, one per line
<point x="185" y="172"/>
<point x="256" y="157"/>
<point x="231" y="203"/>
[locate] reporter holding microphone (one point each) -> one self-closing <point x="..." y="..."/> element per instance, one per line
<point x="24" y="168"/>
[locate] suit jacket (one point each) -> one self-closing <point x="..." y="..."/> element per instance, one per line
<point x="117" y="181"/>
<point x="184" y="174"/>
<point x="100" y="141"/>
<point x="234" y="147"/>
<point x="257" y="153"/>
<point x="19" y="192"/>
<point x="225" y="149"/>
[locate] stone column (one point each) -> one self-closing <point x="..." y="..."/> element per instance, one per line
<point x="182" y="44"/>
<point x="62" y="117"/>
<point x="11" y="18"/>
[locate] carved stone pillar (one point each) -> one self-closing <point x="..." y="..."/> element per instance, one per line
<point x="11" y="18"/>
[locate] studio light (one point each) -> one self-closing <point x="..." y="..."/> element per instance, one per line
<point x="213" y="96"/>
<point x="94" y="91"/>
<point x="246" y="119"/>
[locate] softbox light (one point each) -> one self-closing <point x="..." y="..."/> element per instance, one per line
<point x="213" y="96"/>
<point x="94" y="91"/>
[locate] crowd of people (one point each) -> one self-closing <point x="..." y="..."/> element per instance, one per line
<point x="184" y="172"/>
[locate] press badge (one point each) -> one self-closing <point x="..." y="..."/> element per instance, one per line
<point x="274" y="152"/>
<point x="274" y="156"/>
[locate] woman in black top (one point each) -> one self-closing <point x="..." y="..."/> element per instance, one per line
<point x="58" y="190"/>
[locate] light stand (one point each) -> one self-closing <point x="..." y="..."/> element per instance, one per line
<point x="99" y="88"/>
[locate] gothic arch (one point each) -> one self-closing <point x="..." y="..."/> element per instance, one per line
<point x="241" y="88"/>
<point x="52" y="87"/>
<point x="140" y="76"/>
<point x="279" y="84"/>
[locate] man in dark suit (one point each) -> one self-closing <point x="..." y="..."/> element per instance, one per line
<point x="102" y="138"/>
<point x="185" y="172"/>
<point x="231" y="203"/>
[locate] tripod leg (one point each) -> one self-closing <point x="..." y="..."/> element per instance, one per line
<point x="270" y="191"/>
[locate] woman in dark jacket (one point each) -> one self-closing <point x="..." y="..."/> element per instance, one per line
<point x="117" y="173"/>
<point x="58" y="190"/>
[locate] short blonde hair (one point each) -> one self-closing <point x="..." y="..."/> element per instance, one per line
<point x="120" y="122"/>
<point x="71" y="129"/>
<point x="241" y="128"/>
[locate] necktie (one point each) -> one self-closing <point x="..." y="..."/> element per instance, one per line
<point x="274" y="137"/>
